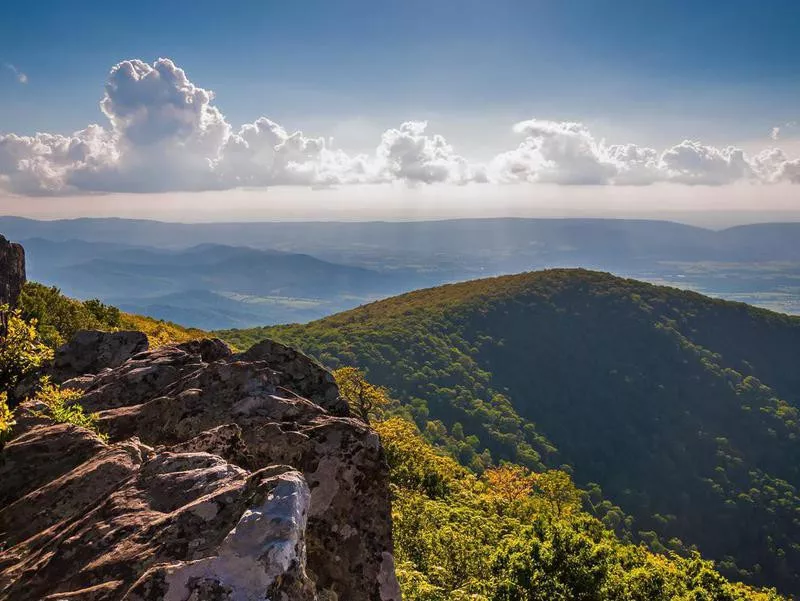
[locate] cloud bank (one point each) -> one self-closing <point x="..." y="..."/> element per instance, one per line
<point x="164" y="133"/>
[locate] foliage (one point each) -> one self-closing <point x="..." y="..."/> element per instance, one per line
<point x="6" y="420"/>
<point x="158" y="331"/>
<point x="511" y="536"/>
<point x="415" y="464"/>
<point x="60" y="405"/>
<point x="59" y="317"/>
<point x="21" y="350"/>
<point x="684" y="409"/>
<point x="364" y="399"/>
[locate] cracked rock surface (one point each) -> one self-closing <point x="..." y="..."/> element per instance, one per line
<point x="226" y="478"/>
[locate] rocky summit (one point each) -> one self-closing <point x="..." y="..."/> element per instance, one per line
<point x="12" y="271"/>
<point x="223" y="477"/>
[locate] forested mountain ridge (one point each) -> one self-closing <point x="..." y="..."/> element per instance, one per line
<point x="684" y="409"/>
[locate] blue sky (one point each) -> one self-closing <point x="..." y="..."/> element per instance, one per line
<point x="734" y="63"/>
<point x="648" y="72"/>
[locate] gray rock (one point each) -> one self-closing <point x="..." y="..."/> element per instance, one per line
<point x="91" y="351"/>
<point x="12" y="271"/>
<point x="300" y="374"/>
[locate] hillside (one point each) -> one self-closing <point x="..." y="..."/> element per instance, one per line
<point x="682" y="408"/>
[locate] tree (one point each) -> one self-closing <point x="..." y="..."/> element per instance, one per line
<point x="59" y="317"/>
<point x="557" y="488"/>
<point x="365" y="399"/>
<point x="21" y="350"/>
<point x="509" y="483"/>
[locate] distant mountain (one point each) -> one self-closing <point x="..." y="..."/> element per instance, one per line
<point x="207" y="285"/>
<point x="684" y="409"/>
<point x="759" y="264"/>
<point x="588" y="240"/>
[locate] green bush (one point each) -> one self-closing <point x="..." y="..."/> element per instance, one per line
<point x="61" y="406"/>
<point x="59" y="317"/>
<point x="6" y="420"/>
<point x="21" y="350"/>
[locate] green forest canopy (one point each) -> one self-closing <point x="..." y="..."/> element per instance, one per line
<point x="681" y="409"/>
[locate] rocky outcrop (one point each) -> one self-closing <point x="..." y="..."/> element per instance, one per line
<point x="301" y="375"/>
<point x="225" y="477"/>
<point x="12" y="271"/>
<point x="91" y="351"/>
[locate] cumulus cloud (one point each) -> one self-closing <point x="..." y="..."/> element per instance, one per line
<point x="554" y="152"/>
<point x="408" y="153"/>
<point x="18" y="75"/>
<point x="164" y="133"/>
<point x="263" y="153"/>
<point x="568" y="153"/>
<point x="693" y="163"/>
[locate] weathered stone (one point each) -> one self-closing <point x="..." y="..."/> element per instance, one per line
<point x="300" y="374"/>
<point x="90" y="351"/>
<point x="41" y="454"/>
<point x="12" y="271"/>
<point x="212" y="457"/>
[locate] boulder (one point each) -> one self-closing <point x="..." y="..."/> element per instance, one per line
<point x="300" y="373"/>
<point x="12" y="271"/>
<point x="91" y="351"/>
<point x="223" y="479"/>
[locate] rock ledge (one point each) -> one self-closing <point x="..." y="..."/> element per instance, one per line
<point x="227" y="477"/>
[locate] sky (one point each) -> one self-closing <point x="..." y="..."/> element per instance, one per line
<point x="198" y="111"/>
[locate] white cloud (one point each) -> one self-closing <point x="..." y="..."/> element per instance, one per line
<point x="693" y="163"/>
<point x="18" y="75"/>
<point x="554" y="152"/>
<point x="568" y="153"/>
<point x="635" y="165"/>
<point x="46" y="163"/>
<point x="164" y="133"/>
<point x="263" y="153"/>
<point x="409" y="154"/>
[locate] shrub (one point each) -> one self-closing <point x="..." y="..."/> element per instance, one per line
<point x="61" y="407"/>
<point x="6" y="420"/>
<point x="21" y="350"/>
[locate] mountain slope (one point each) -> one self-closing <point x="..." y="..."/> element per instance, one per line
<point x="682" y="408"/>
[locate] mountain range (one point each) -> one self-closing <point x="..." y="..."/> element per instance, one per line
<point x="208" y="285"/>
<point x="225" y="275"/>
<point x="682" y="409"/>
